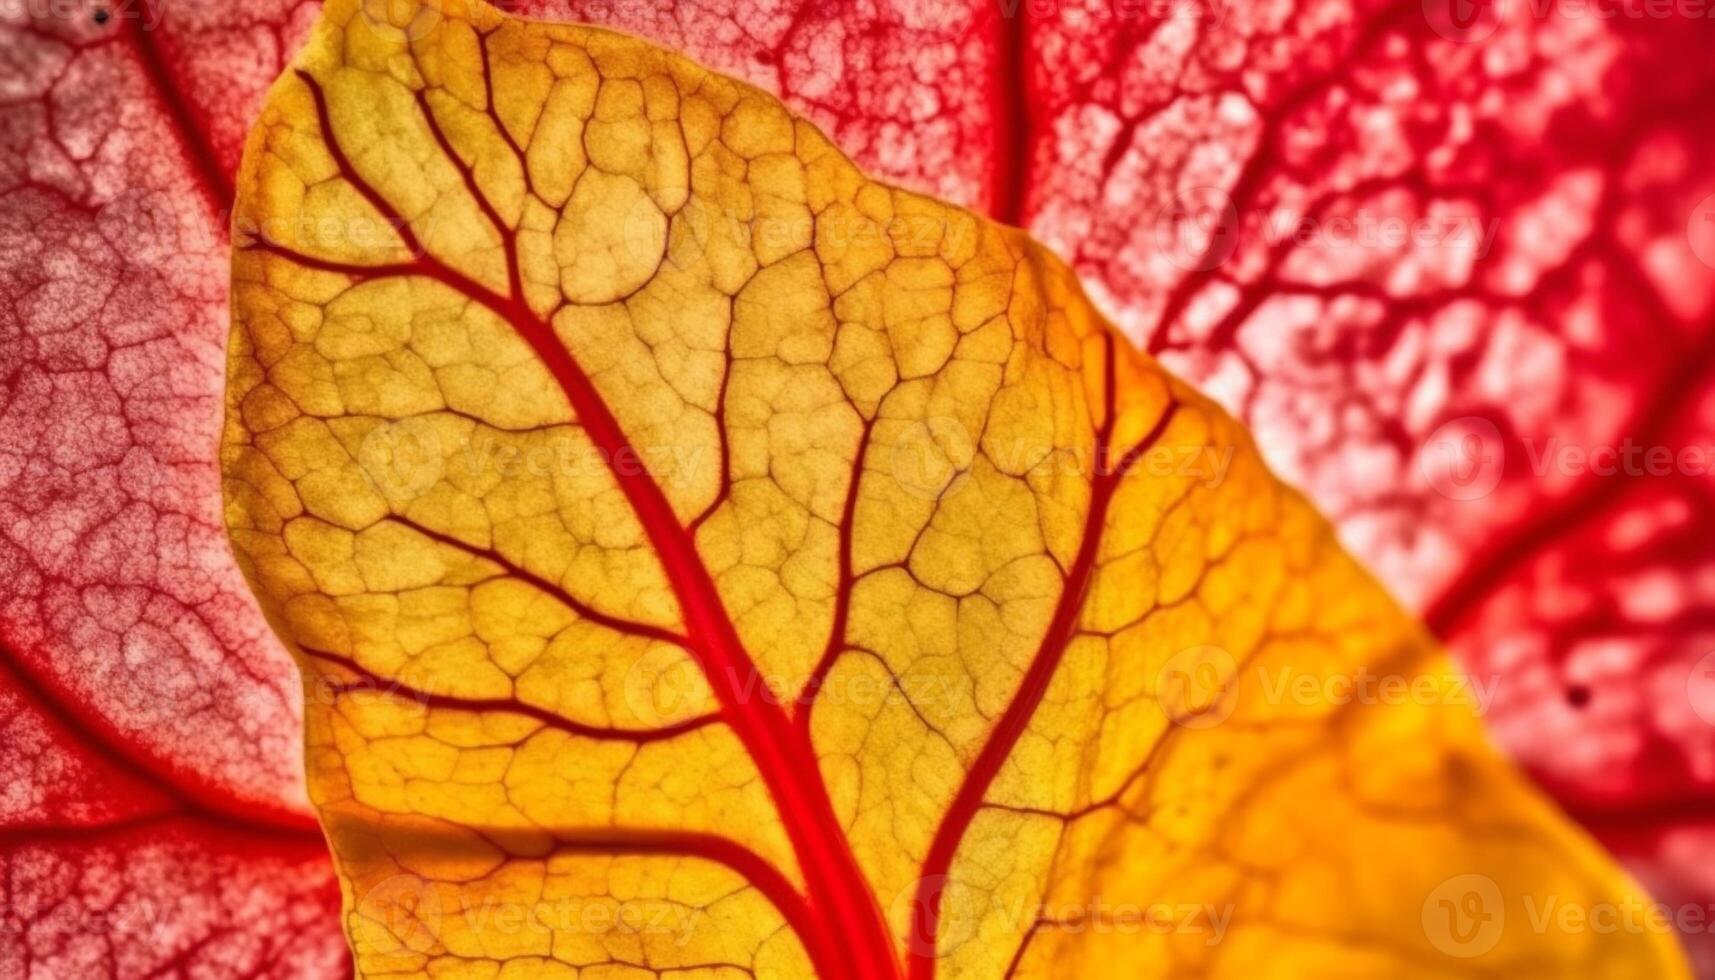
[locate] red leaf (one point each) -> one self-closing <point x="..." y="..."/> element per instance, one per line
<point x="152" y="821"/>
<point x="147" y="705"/>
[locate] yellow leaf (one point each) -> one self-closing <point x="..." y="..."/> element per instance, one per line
<point x="706" y="561"/>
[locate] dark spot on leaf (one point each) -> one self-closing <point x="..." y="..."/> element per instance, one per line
<point x="101" y="15"/>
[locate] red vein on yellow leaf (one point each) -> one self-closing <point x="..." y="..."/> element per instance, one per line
<point x="926" y="910"/>
<point x="369" y="681"/>
<point x="494" y="117"/>
<point x="508" y="236"/>
<point x="629" y="627"/>
<point x="783" y="754"/>
<point x="843" y="589"/>
<point x="725" y="492"/>
<point x="793" y="906"/>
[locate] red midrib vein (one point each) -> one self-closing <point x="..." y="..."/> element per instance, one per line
<point x="852" y="938"/>
<point x="206" y="164"/>
<point x="786" y="760"/>
<point x="926" y="910"/>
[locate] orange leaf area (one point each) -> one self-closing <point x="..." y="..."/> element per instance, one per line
<point x="707" y="561"/>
